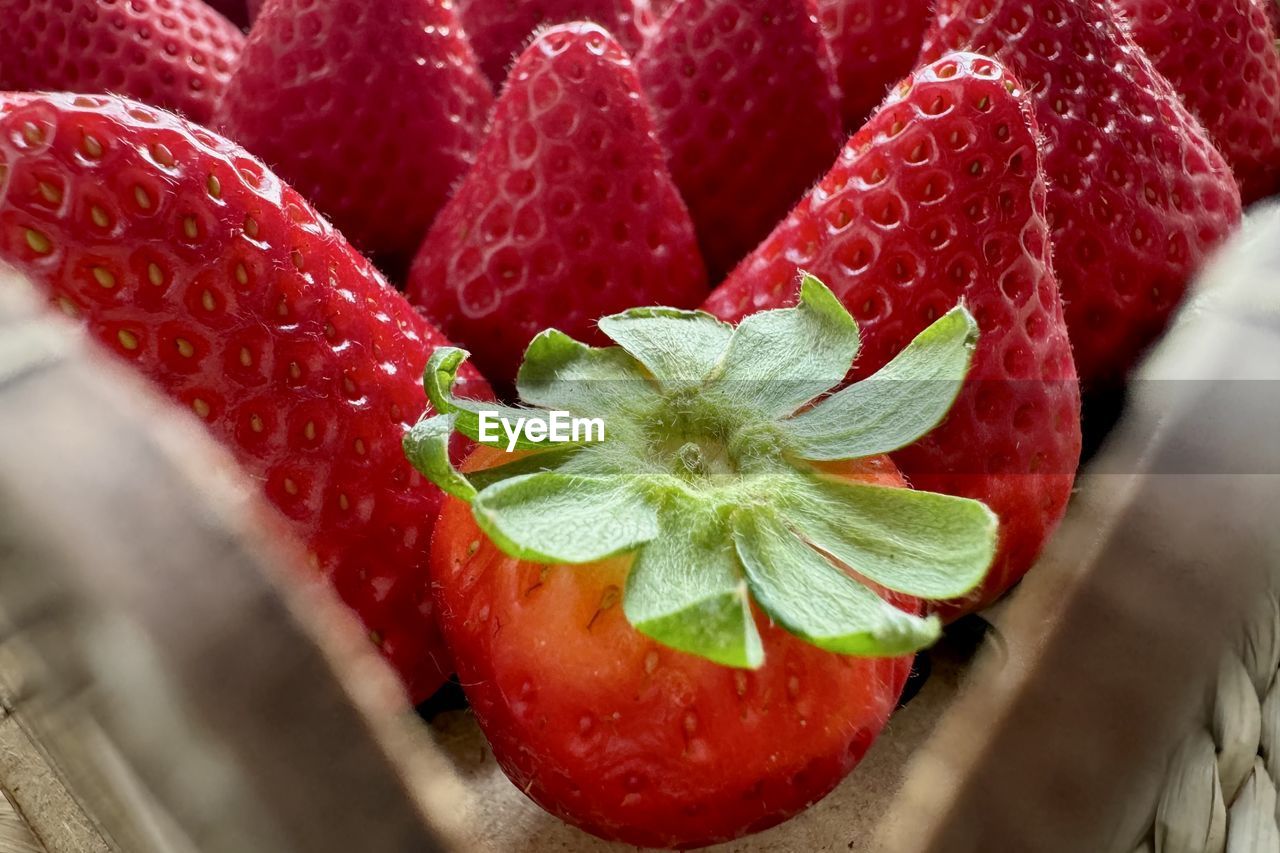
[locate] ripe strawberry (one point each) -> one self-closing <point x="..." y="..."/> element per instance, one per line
<point x="746" y="103"/>
<point x="190" y="260"/>
<point x="371" y="111"/>
<point x="703" y="643"/>
<point x="1222" y="59"/>
<point x="875" y="44"/>
<point x="1138" y="195"/>
<point x="175" y="54"/>
<point x="569" y="213"/>
<point x="500" y="29"/>
<point x="940" y="198"/>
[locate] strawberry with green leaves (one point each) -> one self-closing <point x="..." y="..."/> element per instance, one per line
<point x="373" y="111"/>
<point x="1222" y="59"/>
<point x="939" y="199"/>
<point x="747" y="106"/>
<point x="1138" y="194"/>
<point x="192" y="262"/>
<point x="569" y="214"/>
<point x="694" y="629"/>
<point x="176" y="54"/>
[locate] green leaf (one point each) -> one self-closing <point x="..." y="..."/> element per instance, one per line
<point x="550" y="517"/>
<point x="779" y="360"/>
<point x="919" y="543"/>
<point x="897" y="406"/>
<point x="560" y="372"/>
<point x="426" y="446"/>
<point x="690" y="595"/>
<point x="549" y="459"/>
<point x="808" y="596"/>
<point x="676" y="346"/>
<point x="438" y="378"/>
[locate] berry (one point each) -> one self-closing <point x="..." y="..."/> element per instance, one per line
<point x="940" y="198"/>
<point x="371" y="111"/>
<point x="176" y="54"/>
<point x="192" y="262"/>
<point x="747" y="106"/>
<point x="1138" y="195"/>
<point x="569" y="213"/>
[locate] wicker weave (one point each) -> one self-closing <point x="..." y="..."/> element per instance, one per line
<point x="1220" y="793"/>
<point x="15" y="835"/>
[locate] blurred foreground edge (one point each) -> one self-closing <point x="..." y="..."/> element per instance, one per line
<point x="1106" y="657"/>
<point x="158" y="648"/>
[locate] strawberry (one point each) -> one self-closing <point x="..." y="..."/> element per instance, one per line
<point x="1222" y="59"/>
<point x="1138" y="195"/>
<point x="175" y="54"/>
<point x="719" y="620"/>
<point x="194" y="263"/>
<point x="371" y="111"/>
<point x="875" y="44"/>
<point x="940" y="198"/>
<point x="746" y="103"/>
<point x="569" y="213"/>
<point x="500" y="29"/>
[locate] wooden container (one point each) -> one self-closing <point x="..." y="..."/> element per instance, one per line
<point x="172" y="682"/>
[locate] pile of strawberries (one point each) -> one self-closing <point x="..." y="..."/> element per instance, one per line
<point x="1061" y="168"/>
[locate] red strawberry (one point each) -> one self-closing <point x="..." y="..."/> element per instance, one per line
<point x="1138" y="195"/>
<point x="371" y="111"/>
<point x="680" y="631"/>
<point x="875" y="44"/>
<point x="940" y="198"/>
<point x="652" y="746"/>
<point x="500" y="29"/>
<point x="190" y="260"/>
<point x="1222" y="59"/>
<point x="175" y="54"/>
<point x="746" y="103"/>
<point x="569" y="213"/>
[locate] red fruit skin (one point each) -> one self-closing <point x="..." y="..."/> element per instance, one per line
<point x="628" y="739"/>
<point x="875" y="44"/>
<point x="746" y="103"/>
<point x="373" y="111"/>
<point x="569" y="214"/>
<point x="1138" y="195"/>
<point x="244" y="305"/>
<point x="938" y="200"/>
<point x="1222" y="59"/>
<point x="500" y="30"/>
<point x="176" y="54"/>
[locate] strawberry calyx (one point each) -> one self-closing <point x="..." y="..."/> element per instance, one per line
<point x="710" y="472"/>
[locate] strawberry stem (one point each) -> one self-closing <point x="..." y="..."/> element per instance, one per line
<point x="709" y="473"/>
